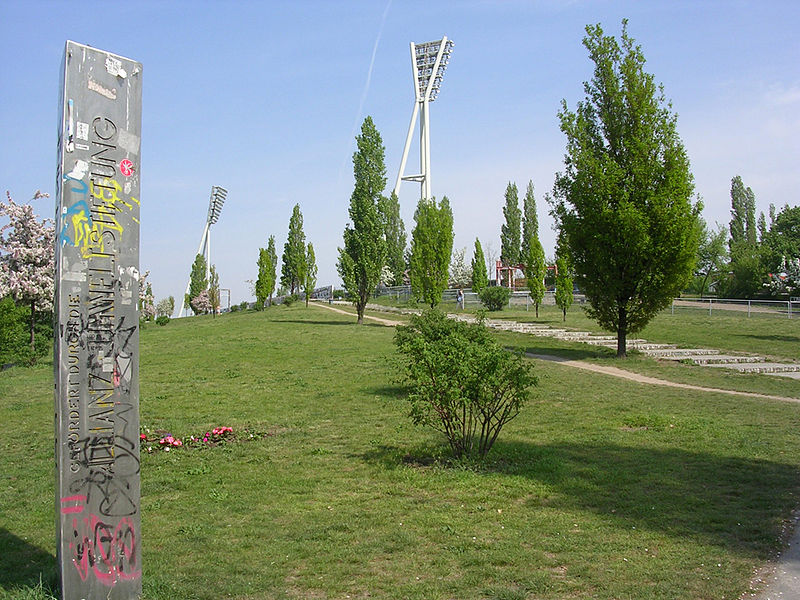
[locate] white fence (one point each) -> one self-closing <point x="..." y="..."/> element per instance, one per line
<point x="787" y="309"/>
<point x="402" y="293"/>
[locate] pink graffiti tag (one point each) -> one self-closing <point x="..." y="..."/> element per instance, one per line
<point x="67" y="509"/>
<point x="110" y="555"/>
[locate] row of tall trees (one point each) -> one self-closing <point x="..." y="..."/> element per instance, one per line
<point x="298" y="264"/>
<point x="750" y="257"/>
<point x="375" y="239"/>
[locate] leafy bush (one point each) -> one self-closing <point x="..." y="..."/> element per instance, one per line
<point x="243" y="305"/>
<point x="289" y="300"/>
<point x="462" y="382"/>
<point x="234" y="308"/>
<point x="495" y="297"/>
<point x="162" y="320"/>
<point x="15" y="333"/>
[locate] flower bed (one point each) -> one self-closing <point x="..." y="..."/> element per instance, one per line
<point x="153" y="441"/>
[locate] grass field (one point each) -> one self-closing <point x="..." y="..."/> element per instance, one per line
<point x="600" y="488"/>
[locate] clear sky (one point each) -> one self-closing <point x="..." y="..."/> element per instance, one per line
<point x="264" y="99"/>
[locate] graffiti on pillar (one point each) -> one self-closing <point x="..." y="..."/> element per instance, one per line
<point x="97" y="341"/>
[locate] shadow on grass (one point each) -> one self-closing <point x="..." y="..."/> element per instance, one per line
<point x="366" y="323"/>
<point x="734" y="502"/>
<point x="22" y="564"/>
<point x="772" y="338"/>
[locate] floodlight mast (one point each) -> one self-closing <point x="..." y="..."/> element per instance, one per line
<point x="218" y="195"/>
<point x="428" y="63"/>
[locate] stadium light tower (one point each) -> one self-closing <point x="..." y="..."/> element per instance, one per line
<point x="429" y="62"/>
<point x="218" y="195"/>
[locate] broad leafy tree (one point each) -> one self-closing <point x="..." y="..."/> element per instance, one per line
<point x="711" y="255"/>
<point x="364" y="253"/>
<point x="198" y="280"/>
<point x="623" y="202"/>
<point x="431" y="247"/>
<point x="460" y="274"/>
<point x="311" y="272"/>
<point x="782" y="241"/>
<point x="395" y="236"/>
<point x="27" y="253"/>
<point x="293" y="269"/>
<point x="480" y="280"/>
<point x="511" y="230"/>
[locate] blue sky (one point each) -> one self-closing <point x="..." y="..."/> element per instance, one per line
<point x="264" y="98"/>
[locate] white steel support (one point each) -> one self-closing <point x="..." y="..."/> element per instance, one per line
<point x="428" y="63"/>
<point x="215" y="203"/>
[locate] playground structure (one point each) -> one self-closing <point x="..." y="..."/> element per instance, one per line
<point x="505" y="275"/>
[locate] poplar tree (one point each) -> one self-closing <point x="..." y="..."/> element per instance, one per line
<point x="510" y="231"/>
<point x="364" y="253"/>
<point x="311" y="272"/>
<point x="623" y="202"/>
<point x="431" y="247"/>
<point x="213" y="291"/>
<point x="745" y="260"/>
<point x="480" y="280"/>
<point x="198" y="281"/>
<point x="530" y="220"/>
<point x="532" y="251"/>
<point x="395" y="236"/>
<point x="564" y="284"/>
<point x="265" y="284"/>
<point x="272" y="272"/>
<point x="293" y="269"/>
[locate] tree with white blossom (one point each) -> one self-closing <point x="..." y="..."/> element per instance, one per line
<point x="27" y="253"/>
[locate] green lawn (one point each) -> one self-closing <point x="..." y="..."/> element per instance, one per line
<point x="600" y="488"/>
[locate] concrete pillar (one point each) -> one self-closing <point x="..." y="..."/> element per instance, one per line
<point x="96" y="354"/>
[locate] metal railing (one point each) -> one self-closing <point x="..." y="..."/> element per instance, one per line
<point x="787" y="309"/>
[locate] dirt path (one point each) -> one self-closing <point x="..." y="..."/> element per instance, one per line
<point x="613" y="371"/>
<point x="387" y="322"/>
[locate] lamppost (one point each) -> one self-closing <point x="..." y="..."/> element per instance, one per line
<point x="428" y="62"/>
<point x="215" y="203"/>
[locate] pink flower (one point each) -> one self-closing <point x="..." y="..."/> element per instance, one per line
<point x="142" y="437"/>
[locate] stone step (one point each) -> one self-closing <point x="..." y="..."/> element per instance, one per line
<point x="713" y="359"/>
<point x="674" y="353"/>
<point x="760" y="367"/>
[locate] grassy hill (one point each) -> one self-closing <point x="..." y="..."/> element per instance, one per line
<point x="601" y="488"/>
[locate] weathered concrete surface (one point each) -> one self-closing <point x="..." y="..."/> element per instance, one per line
<point x="96" y="353"/>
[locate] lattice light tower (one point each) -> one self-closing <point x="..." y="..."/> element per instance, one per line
<point x="218" y="195"/>
<point x="429" y="62"/>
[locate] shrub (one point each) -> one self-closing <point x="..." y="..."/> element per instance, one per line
<point x="495" y="297"/>
<point x="462" y="382"/>
<point x="243" y="305"/>
<point x="162" y="320"/>
<point x="234" y="308"/>
<point x="289" y="300"/>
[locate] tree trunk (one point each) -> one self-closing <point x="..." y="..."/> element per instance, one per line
<point x="622" y="328"/>
<point x="360" y="306"/>
<point x="33" y="323"/>
<point x="564" y="319"/>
